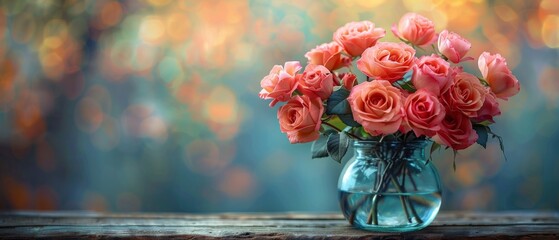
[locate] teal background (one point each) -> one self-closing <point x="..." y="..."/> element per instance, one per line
<point x="153" y="106"/>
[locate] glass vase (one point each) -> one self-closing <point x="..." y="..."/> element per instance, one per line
<point x="389" y="186"/>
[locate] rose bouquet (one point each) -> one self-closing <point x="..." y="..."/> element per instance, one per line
<point x="402" y="98"/>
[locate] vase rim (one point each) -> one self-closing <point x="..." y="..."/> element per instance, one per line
<point x="390" y="141"/>
<point x="411" y="143"/>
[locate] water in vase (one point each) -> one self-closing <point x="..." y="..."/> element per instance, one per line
<point x="390" y="211"/>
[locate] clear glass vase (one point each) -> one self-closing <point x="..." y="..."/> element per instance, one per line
<point x="389" y="186"/>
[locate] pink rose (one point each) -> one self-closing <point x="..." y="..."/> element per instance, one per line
<point x="456" y="131"/>
<point x="355" y="37"/>
<point x="377" y="106"/>
<point x="329" y="55"/>
<point x="431" y="73"/>
<point x="316" y="80"/>
<point x="496" y="72"/>
<point x="300" y="117"/>
<point x="415" y="29"/>
<point x="465" y="94"/>
<point x="489" y="109"/>
<point x="348" y="80"/>
<point x="387" y="61"/>
<point x="280" y="83"/>
<point x="424" y="113"/>
<point x="453" y="46"/>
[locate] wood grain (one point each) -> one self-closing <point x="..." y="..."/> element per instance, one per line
<point x="91" y="225"/>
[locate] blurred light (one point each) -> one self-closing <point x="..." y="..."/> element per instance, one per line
<point x="23" y="28"/>
<point x="505" y="12"/>
<point x="152" y="30"/>
<point x="369" y="3"/>
<point x="155" y="128"/>
<point x="158" y="3"/>
<point x="18" y="194"/>
<point x="45" y="198"/>
<point x="464" y="17"/>
<point x="221" y="106"/>
<point x="550" y="34"/>
<point x="76" y="7"/>
<point x="478" y="198"/>
<point x="54" y="32"/>
<point x="237" y="182"/>
<point x="8" y="73"/>
<point x="417" y="6"/>
<point x="205" y="157"/>
<point x="53" y="66"/>
<point x="549" y="85"/>
<point x="28" y="118"/>
<point x="94" y="202"/>
<point x="133" y="117"/>
<point x="178" y="27"/>
<point x="88" y="115"/>
<point x="182" y="77"/>
<point x="549" y="5"/>
<point x="169" y="69"/>
<point x="2" y="24"/>
<point x="468" y="172"/>
<point x="106" y="137"/>
<point x="110" y="14"/>
<point x="144" y="58"/>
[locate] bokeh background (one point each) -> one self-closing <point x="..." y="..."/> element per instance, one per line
<point x="152" y="105"/>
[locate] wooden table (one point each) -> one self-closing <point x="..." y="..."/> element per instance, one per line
<point x="91" y="225"/>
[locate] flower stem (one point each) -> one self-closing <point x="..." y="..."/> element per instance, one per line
<point x="340" y="130"/>
<point x="373" y="213"/>
<point x="385" y="175"/>
<point x="403" y="202"/>
<point x="402" y="190"/>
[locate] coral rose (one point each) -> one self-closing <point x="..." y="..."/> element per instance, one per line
<point x="489" y="109"/>
<point x="280" y="83"/>
<point x="355" y="37"/>
<point x="456" y="131"/>
<point x="453" y="46"/>
<point x="329" y="55"/>
<point x="465" y="94"/>
<point x="387" y="61"/>
<point x="415" y="29"/>
<point x="348" y="80"/>
<point x="377" y="106"/>
<point x="424" y="113"/>
<point x="316" y="80"/>
<point x="496" y="72"/>
<point x="431" y="73"/>
<point x="300" y="117"/>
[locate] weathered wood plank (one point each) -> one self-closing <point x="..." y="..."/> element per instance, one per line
<point x="57" y="225"/>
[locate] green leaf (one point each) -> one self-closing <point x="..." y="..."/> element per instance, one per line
<point x="348" y="120"/>
<point x="408" y="87"/>
<point x="337" y="103"/>
<point x="336" y="122"/>
<point x="337" y="146"/>
<point x="407" y="76"/>
<point x="485" y="123"/>
<point x="318" y="148"/>
<point x="483" y="81"/>
<point x="482" y="134"/>
<point x="501" y="143"/>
